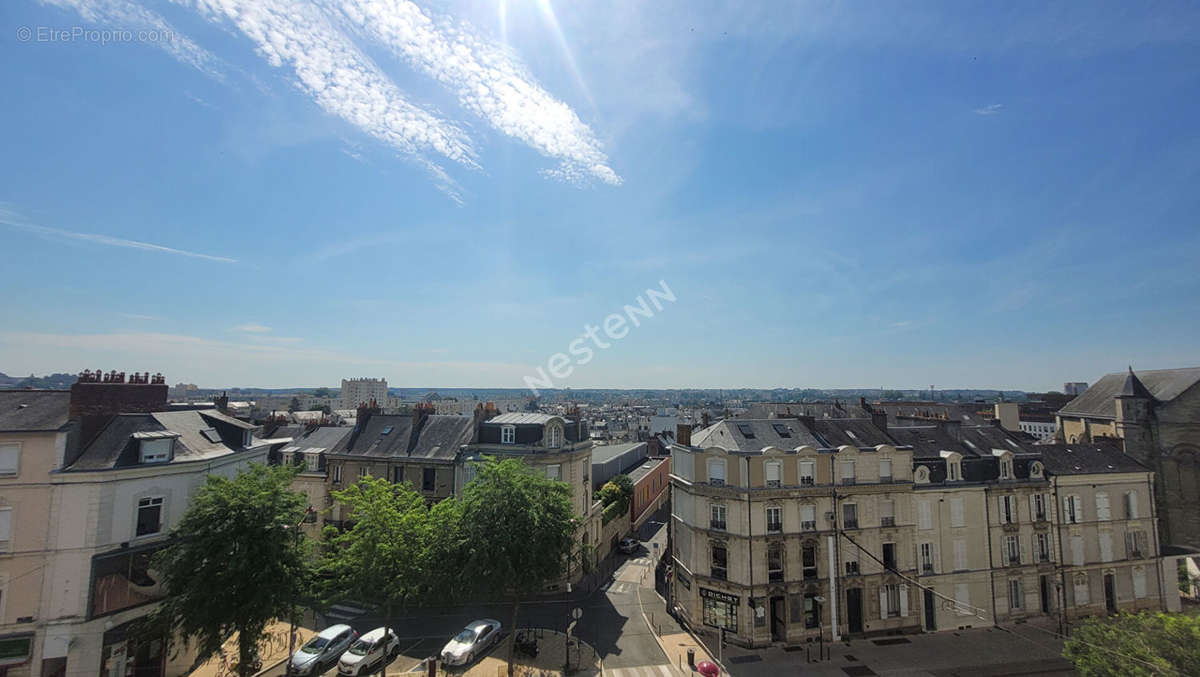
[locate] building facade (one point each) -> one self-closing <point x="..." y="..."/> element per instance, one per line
<point x="356" y="391"/>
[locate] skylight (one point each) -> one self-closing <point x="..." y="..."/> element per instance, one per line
<point x="211" y="435"/>
<point x="386" y="430"/>
<point x="781" y="429"/>
<point x="746" y="430"/>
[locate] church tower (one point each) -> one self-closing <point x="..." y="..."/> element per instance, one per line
<point x="1135" y="413"/>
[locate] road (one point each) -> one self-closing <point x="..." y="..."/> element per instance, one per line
<point x="612" y="619"/>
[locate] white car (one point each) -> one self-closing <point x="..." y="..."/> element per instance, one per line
<point x="370" y="651"/>
<point x="322" y="650"/>
<point x="475" y="639"/>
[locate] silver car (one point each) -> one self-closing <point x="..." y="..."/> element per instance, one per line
<point x="369" y="652"/>
<point x="475" y="639"/>
<point x="322" y="651"/>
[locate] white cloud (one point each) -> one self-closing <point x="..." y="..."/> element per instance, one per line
<point x="10" y="218"/>
<point x="488" y="81"/>
<point x="137" y="316"/>
<point x="251" y="328"/>
<point x="127" y="15"/>
<point x="990" y="109"/>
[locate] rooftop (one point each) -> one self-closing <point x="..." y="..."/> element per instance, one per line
<point x="33" y="410"/>
<point x="1099" y="400"/>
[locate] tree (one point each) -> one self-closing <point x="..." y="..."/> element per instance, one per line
<point x="380" y="557"/>
<point x="517" y="532"/>
<point x="321" y="392"/>
<point x="1138" y="645"/>
<point x="617" y="490"/>
<point x="235" y="562"/>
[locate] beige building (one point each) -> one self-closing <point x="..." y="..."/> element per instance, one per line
<point x="788" y="529"/>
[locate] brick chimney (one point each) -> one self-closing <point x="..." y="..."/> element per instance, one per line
<point x="683" y="434"/>
<point x="96" y="397"/>
<point x="222" y="403"/>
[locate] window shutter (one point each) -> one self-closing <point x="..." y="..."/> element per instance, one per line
<point x="925" y="515"/>
<point x="960" y="554"/>
<point x="1000" y="508"/>
<point x="1102" y="511"/>
<point x="1067" y="511"/>
<point x="1033" y="506"/>
<point x="1077" y="550"/>
<point x="1106" y="549"/>
<point x="1139" y="583"/>
<point x="5" y="525"/>
<point x="1131" y="506"/>
<point x="903" y="599"/>
<point x="956" y="512"/>
<point x="883" y="602"/>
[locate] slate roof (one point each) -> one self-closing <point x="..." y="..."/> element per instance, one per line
<point x="606" y="452"/>
<point x="318" y="439"/>
<point x="644" y="469"/>
<point x="1101" y="456"/>
<point x="1162" y="384"/>
<point x="197" y="438"/>
<point x="33" y="410"/>
<point x="848" y="432"/>
<point x="928" y="442"/>
<point x="731" y="434"/>
<point x="392" y="436"/>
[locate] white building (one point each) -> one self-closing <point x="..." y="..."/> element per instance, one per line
<point x="356" y="391"/>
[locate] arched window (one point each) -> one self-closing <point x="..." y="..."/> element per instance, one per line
<point x="554" y="436"/>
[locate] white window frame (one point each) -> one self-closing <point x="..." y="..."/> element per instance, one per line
<point x="15" y="448"/>
<point x="508" y="434"/>
<point x="957" y="512"/>
<point x="842" y="474"/>
<point x="773" y="468"/>
<point x="1073" y="507"/>
<point x="1012" y="546"/>
<point x="717" y="463"/>
<point x="1038" y="507"/>
<point x="6" y="543"/>
<point x="924" y="515"/>
<point x="1131" y="505"/>
<point x="1008" y="509"/>
<point x="810" y="478"/>
<point x="885" y="477"/>
<point x="337" y="472"/>
<point x="954" y="471"/>
<point x="928" y="565"/>
<point x="157" y="457"/>
<point x="856" y="515"/>
<point x="778" y="511"/>
<point x="1103" y="507"/>
<point x="808" y="511"/>
<point x="1006" y="469"/>
<point x="554" y="471"/>
<point x="1042" y="548"/>
<point x="887" y="508"/>
<point x="554" y="436"/>
<point x="150" y="502"/>
<point x="715" y="509"/>
<point x="1016" y="594"/>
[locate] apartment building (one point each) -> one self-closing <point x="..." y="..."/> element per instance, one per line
<point x="356" y="391"/>
<point x="786" y="529"/>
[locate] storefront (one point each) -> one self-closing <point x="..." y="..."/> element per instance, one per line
<point x="128" y="653"/>
<point x="719" y="609"/>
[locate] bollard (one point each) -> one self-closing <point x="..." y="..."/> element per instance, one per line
<point x="691" y="658"/>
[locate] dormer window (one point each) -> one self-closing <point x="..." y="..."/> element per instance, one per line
<point x="554" y="436"/>
<point x="508" y="434"/>
<point x="954" y="470"/>
<point x="1006" y="470"/>
<point x="248" y="439"/>
<point x="156" y="450"/>
<point x="1036" y="469"/>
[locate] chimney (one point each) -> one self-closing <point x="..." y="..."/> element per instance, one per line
<point x="704" y="419"/>
<point x="97" y="397"/>
<point x="683" y="434"/>
<point x="222" y="403"/>
<point x="952" y="427"/>
<point x="879" y="419"/>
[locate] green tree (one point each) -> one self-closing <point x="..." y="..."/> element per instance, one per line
<point x="235" y="562"/>
<point x="380" y="557"/>
<point x="517" y="533"/>
<point x="617" y="490"/>
<point x="1136" y="645"/>
<point x="321" y="392"/>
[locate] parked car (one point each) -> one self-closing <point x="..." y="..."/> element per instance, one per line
<point x="476" y="638"/>
<point x="369" y="652"/>
<point x="323" y="650"/>
<point x="628" y="546"/>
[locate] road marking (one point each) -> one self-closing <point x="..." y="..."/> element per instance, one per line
<point x="658" y="670"/>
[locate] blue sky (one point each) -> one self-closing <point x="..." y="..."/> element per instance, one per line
<point x="445" y="193"/>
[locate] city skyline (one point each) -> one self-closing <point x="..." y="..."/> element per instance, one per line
<point x="838" y="197"/>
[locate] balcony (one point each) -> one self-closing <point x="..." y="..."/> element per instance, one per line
<point x="885" y="479"/>
<point x="887" y="521"/>
<point x="719" y="573"/>
<point x="807" y="481"/>
<point x="774" y="527"/>
<point x="716" y="482"/>
<point x="810" y="573"/>
<point x="1014" y="560"/>
<point x="852" y="569"/>
<point x="889" y="564"/>
<point x="774" y="484"/>
<point x="718" y="525"/>
<point x="850" y="524"/>
<point x="808" y="526"/>
<point x="927" y="568"/>
<point x="775" y="576"/>
<point x="848" y="481"/>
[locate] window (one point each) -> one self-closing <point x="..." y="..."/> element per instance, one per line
<point x="889" y="601"/>
<point x="1106" y="546"/>
<point x="337" y="472"/>
<point x="808" y="560"/>
<point x="156" y="450"/>
<point x="716" y="472"/>
<point x="1131" y="507"/>
<point x="808" y="473"/>
<point x="719" y="609"/>
<point x="554" y="472"/>
<point x="122" y="580"/>
<point x="428" y="479"/>
<point x="852" y="561"/>
<point x="508" y="434"/>
<point x="720" y="562"/>
<point x="847" y="472"/>
<point x="717" y="520"/>
<point x="1139" y="582"/>
<point x="469" y="472"/>
<point x="149" y="516"/>
<point x="774" y="473"/>
<point x="962" y="599"/>
<point x="781" y="430"/>
<point x="812" y="612"/>
<point x="775" y="562"/>
<point x="362" y="471"/>
<point x="924" y="516"/>
<point x="808" y="518"/>
<point x="1073" y="509"/>
<point x="927" y="558"/>
<point x="554" y="436"/>
<point x="1102" y="510"/>
<point x="1077" y="550"/>
<point x="1012" y="550"/>
<point x="5" y="528"/>
<point x="1135" y="545"/>
<point x="1082" y="596"/>
<point x="10" y="459"/>
<point x="954" y="470"/>
<point x="1006" y="471"/>
<point x="885" y="470"/>
<point x="849" y="516"/>
<point x="312" y="462"/>
<point x="956" y="512"/>
<point x="889" y="556"/>
<point x="248" y="438"/>
<point x="1036" y="469"/>
<point x="1041" y="547"/>
<point x="15" y="650"/>
<point x="1038" y="507"/>
<point x="1008" y="509"/>
<point x="746" y="430"/>
<point x="774" y="519"/>
<point x="887" y="513"/>
<point x="960" y="555"/>
<point x="1015" y="598"/>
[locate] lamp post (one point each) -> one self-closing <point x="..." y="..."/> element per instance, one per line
<point x="292" y="633"/>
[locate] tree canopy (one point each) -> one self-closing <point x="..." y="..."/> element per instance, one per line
<point x="618" y="490"/>
<point x="235" y="561"/>
<point x="1136" y="645"/>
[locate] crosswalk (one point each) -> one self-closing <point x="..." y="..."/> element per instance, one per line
<point x="345" y="612"/>
<point x="621" y="587"/>
<point x="662" y="670"/>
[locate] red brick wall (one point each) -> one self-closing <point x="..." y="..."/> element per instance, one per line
<point x="648" y="489"/>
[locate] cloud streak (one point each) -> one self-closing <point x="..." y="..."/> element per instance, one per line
<point x="990" y="109"/>
<point x="487" y="80"/>
<point x="9" y="219"/>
